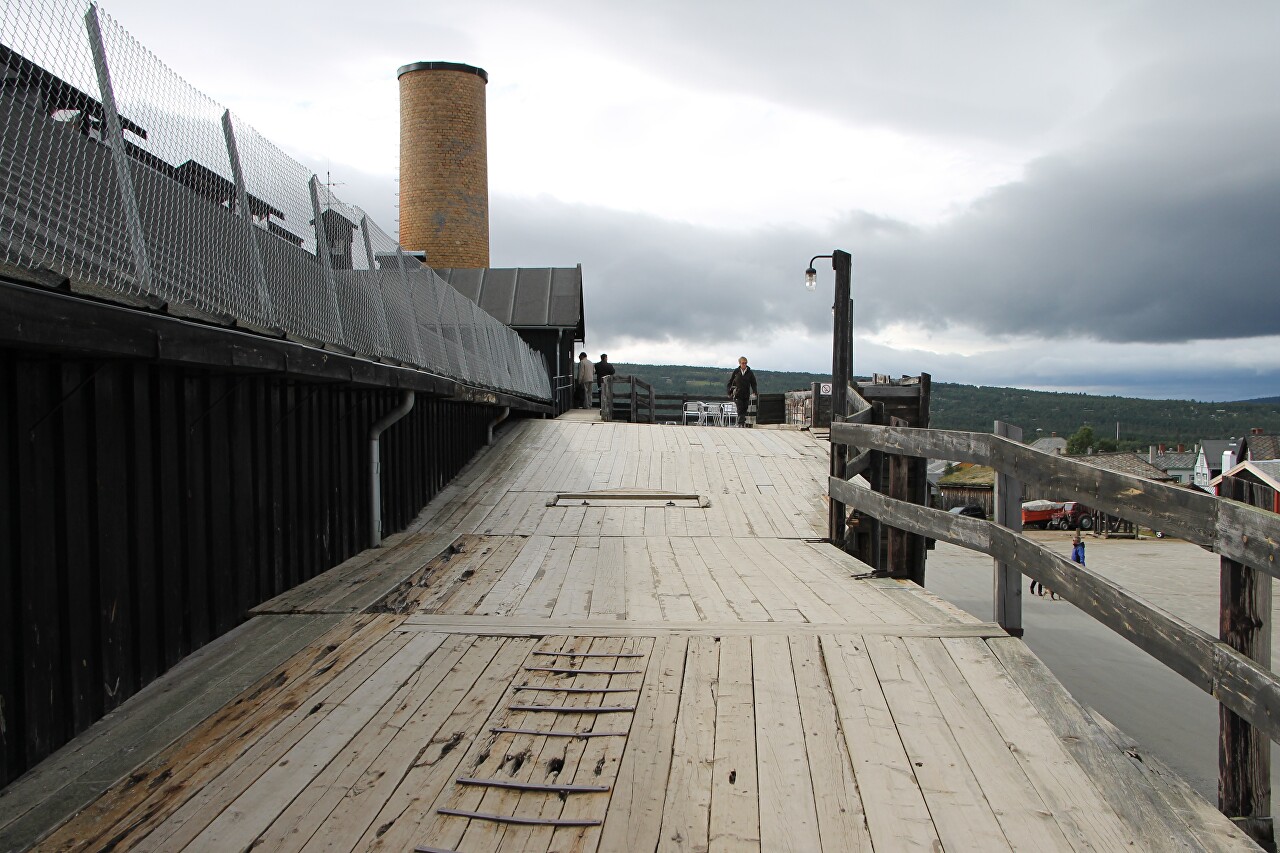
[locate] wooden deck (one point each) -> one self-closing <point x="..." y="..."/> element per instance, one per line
<point x="626" y="669"/>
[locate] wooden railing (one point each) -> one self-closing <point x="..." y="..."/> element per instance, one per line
<point x="1235" y="670"/>
<point x="638" y="404"/>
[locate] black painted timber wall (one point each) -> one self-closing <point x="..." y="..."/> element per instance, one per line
<point x="144" y="508"/>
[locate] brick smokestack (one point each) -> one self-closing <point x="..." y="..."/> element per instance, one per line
<point x="444" y="163"/>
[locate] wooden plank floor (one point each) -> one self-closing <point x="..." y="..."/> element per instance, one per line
<point x="624" y="674"/>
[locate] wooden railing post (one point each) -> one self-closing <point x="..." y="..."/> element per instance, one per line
<point x="875" y="479"/>
<point x="1244" y="753"/>
<point x="1008" y="513"/>
<point x="606" y="399"/>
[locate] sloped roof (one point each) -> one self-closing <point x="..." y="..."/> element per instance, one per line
<point x="1213" y="448"/>
<point x="970" y="476"/>
<point x="1267" y="471"/>
<point x="1123" y="463"/>
<point x="525" y="297"/>
<point x="1051" y="444"/>
<point x="1167" y="461"/>
<point x="1260" y="447"/>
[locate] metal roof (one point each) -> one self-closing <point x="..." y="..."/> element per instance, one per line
<point x="525" y="297"/>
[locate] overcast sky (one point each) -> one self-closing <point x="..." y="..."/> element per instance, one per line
<point x="1067" y="196"/>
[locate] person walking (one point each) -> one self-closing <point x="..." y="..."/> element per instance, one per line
<point x="1077" y="549"/>
<point x="603" y="369"/>
<point x="741" y="388"/>
<point x="584" y="378"/>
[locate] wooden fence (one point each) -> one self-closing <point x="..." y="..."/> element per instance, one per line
<point x="636" y="404"/>
<point x="1235" y="670"/>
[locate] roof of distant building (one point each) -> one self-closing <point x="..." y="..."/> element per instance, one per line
<point x="1266" y="471"/>
<point x="1052" y="444"/>
<point x="967" y="475"/>
<point x="525" y="298"/>
<point x="1213" y="448"/>
<point x="1173" y="459"/>
<point x="1260" y="447"/>
<point x="1123" y="463"/>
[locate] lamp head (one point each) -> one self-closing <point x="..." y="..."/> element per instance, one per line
<point x="811" y="278"/>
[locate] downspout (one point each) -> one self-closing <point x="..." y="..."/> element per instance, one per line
<point x="375" y="465"/>
<point x="506" y="410"/>
<point x="556" y="381"/>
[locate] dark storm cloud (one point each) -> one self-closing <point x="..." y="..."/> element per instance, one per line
<point x="1155" y="216"/>
<point x="652" y="278"/>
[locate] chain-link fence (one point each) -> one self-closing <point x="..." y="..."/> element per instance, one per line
<point x="122" y="178"/>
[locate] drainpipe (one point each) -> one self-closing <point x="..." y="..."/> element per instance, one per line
<point x="506" y="410"/>
<point x="555" y="382"/>
<point x="375" y="465"/>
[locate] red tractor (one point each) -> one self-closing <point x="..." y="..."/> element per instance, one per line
<point x="1073" y="516"/>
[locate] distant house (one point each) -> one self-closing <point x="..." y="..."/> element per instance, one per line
<point x="1264" y="474"/>
<point x="968" y="485"/>
<point x="1125" y="463"/>
<point x="1054" y="444"/>
<point x="1179" y="464"/>
<point x="1209" y="460"/>
<point x="1258" y="447"/>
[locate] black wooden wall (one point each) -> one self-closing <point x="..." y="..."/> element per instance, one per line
<point x="145" y="508"/>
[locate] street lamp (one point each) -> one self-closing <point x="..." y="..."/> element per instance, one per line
<point x="841" y="369"/>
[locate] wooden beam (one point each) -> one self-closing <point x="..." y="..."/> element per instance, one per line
<point x="1244" y="756"/>
<point x="1008" y="514"/>
<point x="1248" y="689"/>
<point x="1243" y="533"/>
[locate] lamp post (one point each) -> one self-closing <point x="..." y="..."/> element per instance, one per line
<point x="841" y="370"/>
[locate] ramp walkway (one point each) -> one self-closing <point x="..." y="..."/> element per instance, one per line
<point x="606" y="636"/>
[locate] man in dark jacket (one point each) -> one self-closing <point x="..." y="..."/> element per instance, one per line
<point x="603" y="369"/>
<point x="742" y="387"/>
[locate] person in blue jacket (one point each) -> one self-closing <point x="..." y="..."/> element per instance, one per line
<point x="1077" y="549"/>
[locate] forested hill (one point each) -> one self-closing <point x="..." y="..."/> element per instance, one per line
<point x="975" y="408"/>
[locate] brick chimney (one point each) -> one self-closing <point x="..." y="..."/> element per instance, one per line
<point x="444" y="163"/>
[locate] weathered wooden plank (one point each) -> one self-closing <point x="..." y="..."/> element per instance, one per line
<point x="735" y="805"/>
<point x="150" y="722"/>
<point x="337" y="781"/>
<point x="841" y="821"/>
<point x="788" y="814"/>
<point x="686" y="813"/>
<point x="896" y="813"/>
<point x="407" y="817"/>
<point x="1027" y="822"/>
<point x="600" y="762"/>
<point x="187" y="768"/>
<point x="496" y="626"/>
<point x="961" y="814"/>
<point x="1145" y="822"/>
<point x="635" y="815"/>
<point x="1246" y="688"/>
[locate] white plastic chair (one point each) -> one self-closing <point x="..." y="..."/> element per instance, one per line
<point x="729" y="414"/>
<point x="694" y="408"/>
<point x="711" y="414"/>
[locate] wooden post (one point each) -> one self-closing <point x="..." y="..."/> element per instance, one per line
<point x="1008" y="513"/>
<point x="897" y="538"/>
<point x="875" y="479"/>
<point x="1244" y="753"/>
<point x="918" y="483"/>
<point x="606" y="399"/>
<point x="841" y="369"/>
